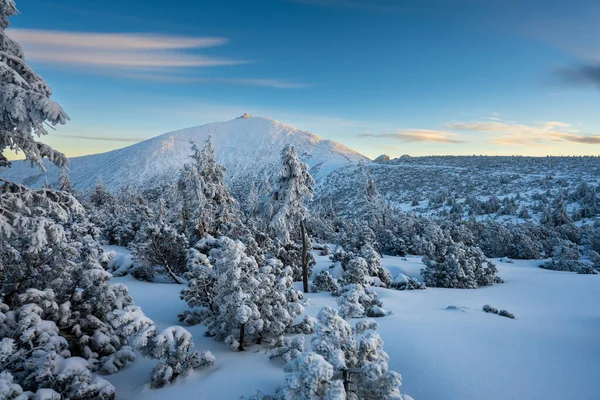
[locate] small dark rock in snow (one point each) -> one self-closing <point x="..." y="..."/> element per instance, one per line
<point x="504" y="313"/>
<point x="489" y="309"/>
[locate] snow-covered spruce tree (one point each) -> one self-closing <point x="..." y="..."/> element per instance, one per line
<point x="34" y="250"/>
<point x="173" y="345"/>
<point x="159" y="250"/>
<point x="287" y="207"/>
<point x="25" y="104"/>
<point x="372" y="206"/>
<point x="238" y="301"/>
<point x="65" y="182"/>
<point x="357" y="357"/>
<point x="207" y="206"/>
<point x="119" y="216"/>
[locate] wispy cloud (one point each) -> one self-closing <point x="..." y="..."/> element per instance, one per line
<point x="265" y="82"/>
<point x="118" y="50"/>
<point x="153" y="57"/>
<point x="102" y="138"/>
<point x="419" y="135"/>
<point x="515" y="134"/>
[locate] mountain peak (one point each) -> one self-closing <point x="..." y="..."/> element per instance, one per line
<point x="248" y="146"/>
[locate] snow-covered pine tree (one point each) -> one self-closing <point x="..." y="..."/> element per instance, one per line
<point x="357" y="357"/>
<point x="238" y="301"/>
<point x="25" y="104"/>
<point x="373" y="206"/>
<point x="230" y="309"/>
<point x="65" y="182"/>
<point x="207" y="205"/>
<point x="159" y="250"/>
<point x="293" y="189"/>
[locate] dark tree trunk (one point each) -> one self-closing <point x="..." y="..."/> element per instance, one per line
<point x="241" y="345"/>
<point x="304" y="258"/>
<point x="174" y="277"/>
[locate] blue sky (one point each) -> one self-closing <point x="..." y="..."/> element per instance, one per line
<point x="381" y="76"/>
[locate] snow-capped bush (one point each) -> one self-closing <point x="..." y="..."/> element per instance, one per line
<point x="287" y="348"/>
<point x="323" y="282"/>
<point x="403" y="282"/>
<point x="308" y="377"/>
<point x="357" y="301"/>
<point x="459" y="266"/>
<point x="173" y="345"/>
<point x="159" y="250"/>
<point x="567" y="257"/>
<point x="306" y="326"/>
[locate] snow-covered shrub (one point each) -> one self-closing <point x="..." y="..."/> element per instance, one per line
<point x="173" y="345"/>
<point x="159" y="250"/>
<point x="324" y="282"/>
<point x="357" y="301"/>
<point x="403" y="282"/>
<point x="308" y="377"/>
<point x="356" y="271"/>
<point x="34" y="353"/>
<point x="567" y="257"/>
<point x="459" y="266"/>
<point x="306" y="326"/>
<point x="375" y="269"/>
<point x="356" y="357"/>
<point x="287" y="348"/>
<point x="326" y="250"/>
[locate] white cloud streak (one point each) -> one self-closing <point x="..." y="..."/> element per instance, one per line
<point x="118" y="50"/>
<point x="153" y="57"/>
<point x="515" y="134"/>
<point x="419" y="135"/>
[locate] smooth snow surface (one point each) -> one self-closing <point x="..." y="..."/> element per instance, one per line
<point x="550" y="351"/>
<point x="248" y="147"/>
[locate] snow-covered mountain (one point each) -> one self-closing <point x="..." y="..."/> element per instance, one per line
<point x="248" y="146"/>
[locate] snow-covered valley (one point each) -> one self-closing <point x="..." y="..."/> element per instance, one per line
<point x="550" y="351"/>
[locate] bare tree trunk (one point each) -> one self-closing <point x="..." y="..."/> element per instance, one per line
<point x="173" y="276"/>
<point x="304" y="258"/>
<point x="241" y="345"/>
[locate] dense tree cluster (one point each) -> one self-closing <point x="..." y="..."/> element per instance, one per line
<point x="57" y="303"/>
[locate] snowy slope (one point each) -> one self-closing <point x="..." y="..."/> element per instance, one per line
<point x="549" y="352"/>
<point x="246" y="146"/>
